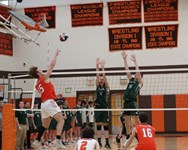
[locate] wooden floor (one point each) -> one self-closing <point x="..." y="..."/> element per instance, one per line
<point x="163" y="143"/>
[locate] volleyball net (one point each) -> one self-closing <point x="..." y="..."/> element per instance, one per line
<point x="164" y="95"/>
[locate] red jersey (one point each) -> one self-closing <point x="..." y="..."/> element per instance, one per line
<point x="145" y="134"/>
<point x="45" y="89"/>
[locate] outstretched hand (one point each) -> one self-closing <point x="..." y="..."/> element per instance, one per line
<point x="124" y="54"/>
<point x="97" y="61"/>
<point x="133" y="57"/>
<point x="102" y="63"/>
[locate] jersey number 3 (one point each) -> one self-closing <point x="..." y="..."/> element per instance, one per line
<point x="83" y="146"/>
<point x="147" y="132"/>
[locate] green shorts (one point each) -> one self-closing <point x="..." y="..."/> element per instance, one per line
<point x="53" y="124"/>
<point x="101" y="116"/>
<point x="67" y="126"/>
<point x="79" y="124"/>
<point x="130" y="105"/>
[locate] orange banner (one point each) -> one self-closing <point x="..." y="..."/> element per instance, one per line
<point x="160" y="10"/>
<point x="161" y="36"/>
<point x="6" y="47"/>
<point x="87" y="14"/>
<point x="124" y="12"/>
<point x="129" y="38"/>
<point x="4" y="12"/>
<point x="49" y="11"/>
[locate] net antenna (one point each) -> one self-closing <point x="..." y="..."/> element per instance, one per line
<point x="40" y="25"/>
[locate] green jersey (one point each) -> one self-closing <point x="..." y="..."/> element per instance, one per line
<point x="78" y="113"/>
<point x="68" y="113"/>
<point x="22" y="116"/>
<point x="101" y="97"/>
<point x="29" y="118"/>
<point x="132" y="90"/>
<point x="37" y="119"/>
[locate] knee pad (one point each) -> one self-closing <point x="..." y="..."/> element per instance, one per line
<point x="117" y="139"/>
<point x="105" y="128"/>
<point x="98" y="127"/>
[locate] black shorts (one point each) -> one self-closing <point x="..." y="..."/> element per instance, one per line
<point x="130" y="105"/>
<point x="101" y="116"/>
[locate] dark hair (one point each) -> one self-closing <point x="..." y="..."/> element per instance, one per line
<point x="143" y="117"/>
<point x="90" y="102"/>
<point x="33" y="72"/>
<point x="83" y="102"/>
<point x="79" y="100"/>
<point x="60" y="102"/>
<point x="1" y="98"/>
<point x="88" y="133"/>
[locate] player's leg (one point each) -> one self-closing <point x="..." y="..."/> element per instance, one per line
<point x="45" y="123"/>
<point x="98" y="120"/>
<point x="118" y="141"/>
<point x="105" y="120"/>
<point x="127" y="117"/>
<point x="52" y="109"/>
<point x="135" y="114"/>
<point x="60" y="122"/>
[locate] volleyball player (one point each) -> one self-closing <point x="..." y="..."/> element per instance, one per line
<point x="78" y="120"/>
<point x="84" y="112"/>
<point x="101" y="102"/>
<point x="145" y="134"/>
<point x="49" y="107"/>
<point x="131" y="92"/>
<point x="37" y="119"/>
<point x="67" y="126"/>
<point x="90" y="114"/>
<point x="87" y="142"/>
<point x="22" y="127"/>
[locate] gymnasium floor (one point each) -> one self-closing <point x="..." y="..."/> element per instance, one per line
<point x="163" y="143"/>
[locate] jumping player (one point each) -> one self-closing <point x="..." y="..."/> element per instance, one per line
<point x="101" y="102"/>
<point x="131" y="92"/>
<point x="49" y="107"/>
<point x="145" y="134"/>
<point x="87" y="142"/>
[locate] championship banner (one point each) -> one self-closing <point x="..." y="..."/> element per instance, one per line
<point x="6" y="47"/>
<point x="87" y="14"/>
<point x="4" y="12"/>
<point x="35" y="14"/>
<point x="160" y="10"/>
<point x="124" y="12"/>
<point x="129" y="38"/>
<point x="161" y="36"/>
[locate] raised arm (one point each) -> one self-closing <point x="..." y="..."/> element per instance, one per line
<point x="97" y="71"/>
<point x="52" y="64"/>
<point x="133" y="58"/>
<point x="102" y="63"/>
<point x="124" y="55"/>
<point x="126" y="144"/>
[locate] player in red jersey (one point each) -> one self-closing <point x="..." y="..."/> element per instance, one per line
<point x="145" y="134"/>
<point x="49" y="108"/>
<point x="87" y="142"/>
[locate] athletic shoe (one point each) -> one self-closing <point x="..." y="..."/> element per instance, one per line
<point x="107" y="145"/>
<point x="36" y="145"/>
<point x="58" y="144"/>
